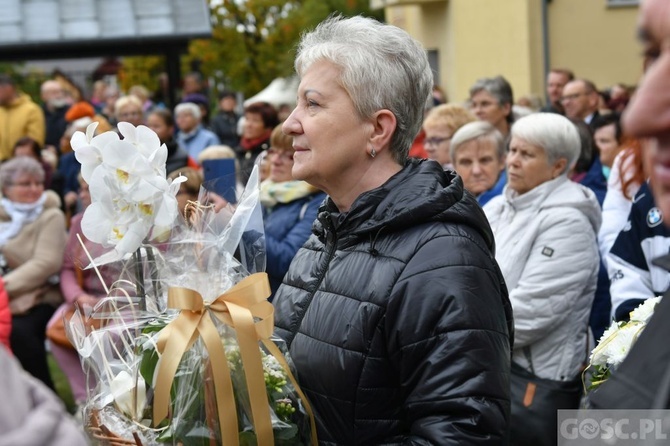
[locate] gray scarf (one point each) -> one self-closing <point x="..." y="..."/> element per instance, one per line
<point x="21" y="214"/>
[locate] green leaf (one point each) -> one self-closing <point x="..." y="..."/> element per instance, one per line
<point x="248" y="438"/>
<point x="286" y="433"/>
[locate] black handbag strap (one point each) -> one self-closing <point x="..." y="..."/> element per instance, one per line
<point x="529" y="358"/>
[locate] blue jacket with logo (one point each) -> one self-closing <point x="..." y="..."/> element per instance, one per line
<point x="629" y="264"/>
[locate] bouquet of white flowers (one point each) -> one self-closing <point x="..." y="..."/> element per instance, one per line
<point x="617" y="340"/>
<point x="182" y="350"/>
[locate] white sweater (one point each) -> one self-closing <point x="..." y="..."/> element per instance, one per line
<point x="547" y="250"/>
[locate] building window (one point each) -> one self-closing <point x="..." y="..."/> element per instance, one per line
<point x="616" y="3"/>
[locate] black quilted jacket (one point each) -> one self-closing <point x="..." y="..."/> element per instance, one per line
<point x="398" y="318"/>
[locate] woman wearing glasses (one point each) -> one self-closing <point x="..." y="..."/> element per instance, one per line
<point x="289" y="207"/>
<point x="32" y="241"/>
<point x="491" y="100"/>
<point x="129" y="109"/>
<point x="440" y="125"/>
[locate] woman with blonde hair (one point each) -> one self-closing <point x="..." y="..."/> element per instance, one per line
<point x="129" y="109"/>
<point x="440" y="126"/>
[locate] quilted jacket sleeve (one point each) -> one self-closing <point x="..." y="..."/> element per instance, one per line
<point x="448" y="330"/>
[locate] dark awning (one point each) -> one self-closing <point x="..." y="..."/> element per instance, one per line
<point x="49" y="29"/>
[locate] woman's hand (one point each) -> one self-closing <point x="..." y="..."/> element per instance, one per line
<point x="217" y="200"/>
<point x="86" y="300"/>
<point x="70" y="199"/>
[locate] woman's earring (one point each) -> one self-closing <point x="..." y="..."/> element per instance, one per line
<point x="373" y="153"/>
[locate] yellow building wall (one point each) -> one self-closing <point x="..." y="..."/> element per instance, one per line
<point x="478" y="38"/>
<point x="598" y="43"/>
<point x="484" y="38"/>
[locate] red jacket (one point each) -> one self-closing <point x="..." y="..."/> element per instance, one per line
<point x="5" y="316"/>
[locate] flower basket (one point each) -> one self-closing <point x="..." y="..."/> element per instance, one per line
<point x="186" y="355"/>
<point x="104" y="436"/>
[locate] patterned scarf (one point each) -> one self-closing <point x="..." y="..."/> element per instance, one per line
<point x="284" y="192"/>
<point x="249" y="144"/>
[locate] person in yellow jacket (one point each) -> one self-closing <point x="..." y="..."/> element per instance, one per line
<point x="19" y="117"/>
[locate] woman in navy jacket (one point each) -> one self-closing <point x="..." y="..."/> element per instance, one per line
<point x="289" y="207"/>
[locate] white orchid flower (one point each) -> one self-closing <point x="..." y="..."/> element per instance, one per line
<point x="88" y="148"/>
<point x="125" y="390"/>
<point x="130" y="197"/>
<point x="147" y="143"/>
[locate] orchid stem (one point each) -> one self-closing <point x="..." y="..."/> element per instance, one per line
<point x="155" y="283"/>
<point x="139" y="278"/>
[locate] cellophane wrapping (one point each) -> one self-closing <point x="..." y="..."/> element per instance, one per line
<point x="208" y="252"/>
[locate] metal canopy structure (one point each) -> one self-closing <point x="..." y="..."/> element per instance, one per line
<point x="70" y="29"/>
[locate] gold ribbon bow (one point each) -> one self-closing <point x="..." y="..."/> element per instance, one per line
<point x="245" y="308"/>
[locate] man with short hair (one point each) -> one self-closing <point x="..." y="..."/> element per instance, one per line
<point x="580" y="100"/>
<point x="556" y="81"/>
<point x="642" y="381"/>
<point x="54" y="107"/>
<point x="193" y="83"/>
<point x="19" y="117"/>
<point x="225" y="122"/>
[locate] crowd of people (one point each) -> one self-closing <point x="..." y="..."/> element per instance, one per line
<point x="428" y="253"/>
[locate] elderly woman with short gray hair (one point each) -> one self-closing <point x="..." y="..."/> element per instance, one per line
<point x="396" y="294"/>
<point x="478" y="153"/>
<point x="192" y="135"/>
<point x="32" y="242"/>
<point x="545" y="228"/>
<point x="491" y="100"/>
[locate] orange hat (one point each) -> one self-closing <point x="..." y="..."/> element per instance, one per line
<point x="79" y="110"/>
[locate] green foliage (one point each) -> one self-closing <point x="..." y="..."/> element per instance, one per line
<point x="141" y="70"/>
<point x="27" y="82"/>
<point x="193" y="428"/>
<point x="61" y="384"/>
<point x="254" y="42"/>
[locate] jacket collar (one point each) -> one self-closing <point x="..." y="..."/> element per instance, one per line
<point x="421" y="192"/>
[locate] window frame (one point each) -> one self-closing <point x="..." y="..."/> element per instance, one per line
<point x="622" y="3"/>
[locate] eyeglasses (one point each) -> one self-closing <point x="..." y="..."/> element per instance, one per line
<point x="25" y="184"/>
<point x="132" y="114"/>
<point x="435" y="141"/>
<point x="281" y="154"/>
<point x="571" y="97"/>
